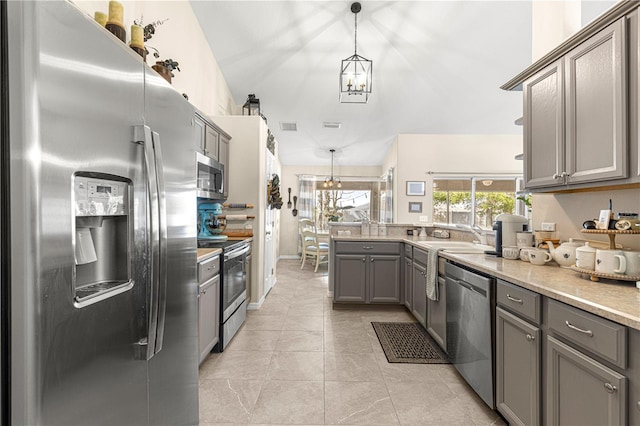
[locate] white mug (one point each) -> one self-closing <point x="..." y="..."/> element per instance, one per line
<point x="524" y="254"/>
<point x="610" y="261"/>
<point x="524" y="239"/>
<point x="538" y="256"/>
<point x="510" y="252"/>
<point x="633" y="263"/>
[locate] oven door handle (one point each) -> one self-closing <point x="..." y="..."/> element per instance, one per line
<point x="236" y="253"/>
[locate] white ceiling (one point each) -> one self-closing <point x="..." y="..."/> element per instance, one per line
<point x="437" y="68"/>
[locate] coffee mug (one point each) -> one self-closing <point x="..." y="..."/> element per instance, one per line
<point x="633" y="263"/>
<point x="524" y="239"/>
<point x="538" y="256"/>
<point x="510" y="252"/>
<point x="610" y="261"/>
<point x="524" y="254"/>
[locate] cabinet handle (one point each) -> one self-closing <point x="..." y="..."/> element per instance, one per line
<point x="610" y="388"/>
<point x="564" y="174"/>
<point x="573" y="327"/>
<point x="372" y="259"/>
<point x="556" y="176"/>
<point x="367" y="247"/>
<point x="364" y="259"/>
<point x="513" y="299"/>
<point x="530" y="338"/>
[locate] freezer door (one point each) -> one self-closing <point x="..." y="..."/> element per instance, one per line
<point x="76" y="94"/>
<point x="173" y="371"/>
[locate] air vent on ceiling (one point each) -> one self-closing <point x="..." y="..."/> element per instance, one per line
<point x="288" y="127"/>
<point x="331" y="124"/>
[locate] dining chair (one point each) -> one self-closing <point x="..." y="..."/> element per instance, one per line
<point x="311" y="247"/>
<point x="304" y="224"/>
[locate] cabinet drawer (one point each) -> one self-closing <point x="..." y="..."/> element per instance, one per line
<point x="420" y="256"/>
<point x="208" y="268"/>
<point x="600" y="336"/>
<point x="408" y="251"/>
<point x="519" y="301"/>
<point x="367" y="247"/>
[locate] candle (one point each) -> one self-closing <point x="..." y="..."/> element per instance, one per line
<point x="137" y="37"/>
<point x="101" y="18"/>
<point x="115" y="13"/>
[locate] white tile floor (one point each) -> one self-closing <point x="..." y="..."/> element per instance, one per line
<point x="297" y="361"/>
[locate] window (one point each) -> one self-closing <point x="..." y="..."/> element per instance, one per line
<point x="475" y="200"/>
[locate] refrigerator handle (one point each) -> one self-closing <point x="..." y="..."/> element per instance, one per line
<point x="162" y="222"/>
<point x="147" y="345"/>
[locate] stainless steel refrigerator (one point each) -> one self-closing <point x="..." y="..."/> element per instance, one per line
<point x="97" y="228"/>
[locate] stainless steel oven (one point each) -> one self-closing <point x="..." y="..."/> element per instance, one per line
<point x="233" y="290"/>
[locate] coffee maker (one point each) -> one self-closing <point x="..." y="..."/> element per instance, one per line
<point x="506" y="226"/>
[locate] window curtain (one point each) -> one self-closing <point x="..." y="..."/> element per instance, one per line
<point x="306" y="194"/>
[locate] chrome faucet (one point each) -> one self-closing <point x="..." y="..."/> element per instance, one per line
<point x="476" y="231"/>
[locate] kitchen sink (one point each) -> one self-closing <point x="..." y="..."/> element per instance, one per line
<point x="457" y="246"/>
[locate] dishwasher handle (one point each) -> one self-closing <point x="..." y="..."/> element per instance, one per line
<point x="482" y="292"/>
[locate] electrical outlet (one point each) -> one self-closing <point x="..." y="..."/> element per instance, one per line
<point x="424" y="218"/>
<point x="548" y="226"/>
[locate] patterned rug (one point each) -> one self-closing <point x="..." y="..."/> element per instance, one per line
<point x="408" y="342"/>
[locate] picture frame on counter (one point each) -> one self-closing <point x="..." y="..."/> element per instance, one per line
<point x="415" y="207"/>
<point x="603" y="219"/>
<point x="415" y="187"/>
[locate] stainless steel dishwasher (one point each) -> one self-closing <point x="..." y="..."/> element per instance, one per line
<point x="470" y="335"/>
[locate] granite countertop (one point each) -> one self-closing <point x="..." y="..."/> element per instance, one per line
<point x="206" y="253"/>
<point x="618" y="301"/>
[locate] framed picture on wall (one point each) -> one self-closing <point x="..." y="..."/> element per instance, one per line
<point x="415" y="207"/>
<point x="415" y="187"/>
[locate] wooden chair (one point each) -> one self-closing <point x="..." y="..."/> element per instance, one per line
<point x="305" y="224"/>
<point x="312" y="248"/>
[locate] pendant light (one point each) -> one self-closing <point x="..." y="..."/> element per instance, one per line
<point x="331" y="182"/>
<point x="356" y="71"/>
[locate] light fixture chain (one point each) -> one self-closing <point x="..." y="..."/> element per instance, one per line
<point x="355" y="38"/>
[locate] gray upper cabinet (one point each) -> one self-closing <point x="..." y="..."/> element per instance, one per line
<point x="200" y="130"/>
<point x="581" y="391"/>
<point x="575" y="114"/>
<point x="214" y="143"/>
<point x="211" y="140"/>
<point x="596" y="105"/>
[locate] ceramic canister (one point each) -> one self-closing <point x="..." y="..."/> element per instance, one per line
<point x="586" y="257"/>
<point x="524" y="239"/>
<point x="633" y="263"/>
<point x="610" y="261"/>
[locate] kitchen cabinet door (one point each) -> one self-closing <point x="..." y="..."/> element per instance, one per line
<point x="518" y="349"/>
<point x="544" y="127"/>
<point x="200" y="132"/>
<point x="211" y="139"/>
<point x="384" y="279"/>
<point x="208" y="316"/>
<point x="437" y="315"/>
<point x="596" y="107"/>
<point x="408" y="283"/>
<point x="582" y="391"/>
<point x="351" y="278"/>
<point x="223" y="157"/>
<point x="419" y="299"/>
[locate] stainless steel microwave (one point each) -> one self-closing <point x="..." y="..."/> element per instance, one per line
<point x="210" y="178"/>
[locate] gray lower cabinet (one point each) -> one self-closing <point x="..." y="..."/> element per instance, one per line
<point x="518" y="352"/>
<point x="419" y="297"/>
<point x="437" y="315"/>
<point x="582" y="391"/>
<point x="208" y="316"/>
<point x="367" y="278"/>
<point x="408" y="283"/>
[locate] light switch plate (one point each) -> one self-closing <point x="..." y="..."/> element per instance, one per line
<point x="424" y="218"/>
<point x="548" y="226"/>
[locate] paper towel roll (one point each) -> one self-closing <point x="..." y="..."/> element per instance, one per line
<point x="236" y="217"/>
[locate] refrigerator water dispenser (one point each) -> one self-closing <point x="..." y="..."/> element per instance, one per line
<point x="102" y="237"/>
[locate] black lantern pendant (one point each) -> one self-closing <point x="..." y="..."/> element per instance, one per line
<point x="251" y="106"/>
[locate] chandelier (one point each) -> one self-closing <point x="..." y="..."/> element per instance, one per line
<point x="331" y="182"/>
<point x="356" y="71"/>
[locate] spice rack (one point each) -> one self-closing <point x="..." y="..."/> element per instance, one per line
<point x="611" y="233"/>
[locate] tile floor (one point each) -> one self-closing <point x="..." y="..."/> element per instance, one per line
<point x="297" y="361"/>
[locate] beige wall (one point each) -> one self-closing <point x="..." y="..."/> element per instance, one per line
<point x="181" y="39"/>
<point x="289" y="179"/>
<point x="467" y="154"/>
<point x="568" y="211"/>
